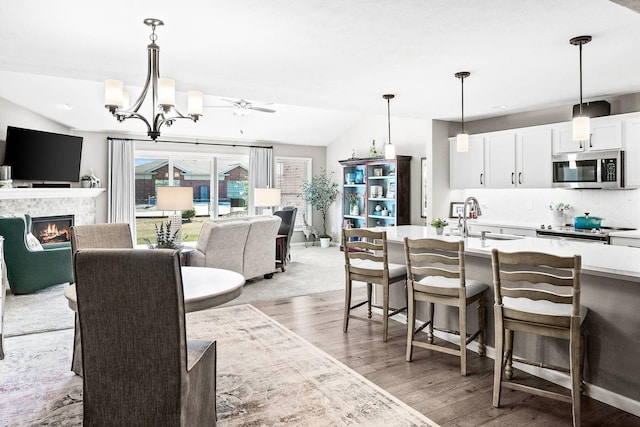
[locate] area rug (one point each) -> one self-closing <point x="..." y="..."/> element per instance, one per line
<point x="267" y="376"/>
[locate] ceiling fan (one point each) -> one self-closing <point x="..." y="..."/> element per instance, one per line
<point x="242" y="107"/>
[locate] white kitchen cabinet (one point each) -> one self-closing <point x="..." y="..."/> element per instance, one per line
<point x="520" y="158"/>
<point x="500" y="159"/>
<point x="466" y="170"/>
<point x="606" y="134"/>
<point x="533" y="157"/>
<point x="625" y="241"/>
<point x="632" y="144"/>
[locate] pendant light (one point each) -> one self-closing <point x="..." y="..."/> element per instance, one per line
<point x="462" y="140"/>
<point x="389" y="149"/>
<point x="581" y="128"/>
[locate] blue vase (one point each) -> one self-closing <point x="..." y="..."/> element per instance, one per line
<point x="359" y="177"/>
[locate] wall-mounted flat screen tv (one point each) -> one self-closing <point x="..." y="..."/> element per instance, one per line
<point x="42" y="156"/>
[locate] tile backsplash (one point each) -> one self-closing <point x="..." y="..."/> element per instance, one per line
<point x="618" y="208"/>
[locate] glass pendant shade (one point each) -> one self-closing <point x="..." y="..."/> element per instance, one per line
<point x="462" y="143"/>
<point x="195" y="104"/>
<point x="581" y="128"/>
<point x="166" y="92"/>
<point x="389" y="151"/>
<point x="113" y="93"/>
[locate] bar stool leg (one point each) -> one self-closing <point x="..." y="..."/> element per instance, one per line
<point x="498" y="367"/>
<point x="347" y="306"/>
<point x="430" y="327"/>
<point x="462" y="318"/>
<point x="508" y="366"/>
<point x="369" y="287"/>
<point x="411" y="323"/>
<point x="482" y="324"/>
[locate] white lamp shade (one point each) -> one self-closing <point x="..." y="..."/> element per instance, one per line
<point x="113" y="93"/>
<point x="389" y="151"/>
<point x="195" y="103"/>
<point x="174" y="198"/>
<point x="166" y="92"/>
<point x="462" y="143"/>
<point x="581" y="128"/>
<point x="267" y="197"/>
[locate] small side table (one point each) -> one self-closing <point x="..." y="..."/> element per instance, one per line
<point x="281" y="242"/>
<point x="185" y="256"/>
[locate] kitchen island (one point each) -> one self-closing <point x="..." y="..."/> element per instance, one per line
<point x="610" y="288"/>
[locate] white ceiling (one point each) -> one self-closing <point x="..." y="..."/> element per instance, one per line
<point x="322" y="64"/>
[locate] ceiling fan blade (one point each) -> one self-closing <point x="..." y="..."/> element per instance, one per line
<point x="262" y="109"/>
<point x="218" y="106"/>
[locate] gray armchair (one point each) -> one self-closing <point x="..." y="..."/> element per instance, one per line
<point x="139" y="367"/>
<point x="94" y="236"/>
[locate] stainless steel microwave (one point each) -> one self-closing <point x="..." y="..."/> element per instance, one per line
<point x="603" y="169"/>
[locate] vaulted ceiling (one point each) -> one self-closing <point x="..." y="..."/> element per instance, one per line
<point x="323" y="65"/>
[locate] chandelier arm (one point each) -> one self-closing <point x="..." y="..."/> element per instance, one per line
<point x="124" y="115"/>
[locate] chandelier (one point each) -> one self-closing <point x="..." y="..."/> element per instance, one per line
<point x="163" y="94"/>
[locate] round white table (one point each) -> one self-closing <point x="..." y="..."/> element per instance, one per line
<point x="203" y="288"/>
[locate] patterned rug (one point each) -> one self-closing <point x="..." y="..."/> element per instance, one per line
<point x="267" y="376"/>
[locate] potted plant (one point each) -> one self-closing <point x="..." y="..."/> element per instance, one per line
<point x="439" y="224"/>
<point x="321" y="192"/>
<point x="165" y="239"/>
<point x="85" y="181"/>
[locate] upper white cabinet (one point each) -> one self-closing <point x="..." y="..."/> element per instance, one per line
<point x="520" y="158"/>
<point x="466" y="170"/>
<point x="533" y="157"/>
<point x="500" y="159"/>
<point x="606" y="134"/>
<point x="632" y="144"/>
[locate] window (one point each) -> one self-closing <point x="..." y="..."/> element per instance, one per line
<point x="213" y="197"/>
<point x="291" y="173"/>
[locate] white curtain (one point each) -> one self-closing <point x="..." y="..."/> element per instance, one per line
<point x="260" y="172"/>
<point x="122" y="186"/>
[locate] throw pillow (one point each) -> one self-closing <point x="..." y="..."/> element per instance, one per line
<point x="33" y="243"/>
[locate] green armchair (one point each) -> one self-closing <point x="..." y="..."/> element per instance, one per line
<point x="29" y="270"/>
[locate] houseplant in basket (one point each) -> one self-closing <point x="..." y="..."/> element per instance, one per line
<point x="321" y="192"/>
<point x="439" y="224"/>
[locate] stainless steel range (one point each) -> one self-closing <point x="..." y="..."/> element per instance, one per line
<point x="595" y="235"/>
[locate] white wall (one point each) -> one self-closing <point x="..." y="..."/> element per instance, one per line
<point x="411" y="137"/>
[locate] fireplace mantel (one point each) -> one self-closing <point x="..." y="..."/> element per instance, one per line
<point x="49" y="193"/>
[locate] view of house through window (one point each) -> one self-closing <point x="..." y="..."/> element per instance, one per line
<point x="219" y="185"/>
<point x="291" y="173"/>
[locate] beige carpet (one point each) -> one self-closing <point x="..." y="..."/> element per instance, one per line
<point x="267" y="376"/>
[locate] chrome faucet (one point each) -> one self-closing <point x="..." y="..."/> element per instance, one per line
<point x="465" y="229"/>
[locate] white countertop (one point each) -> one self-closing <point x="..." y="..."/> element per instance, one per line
<point x="617" y="262"/>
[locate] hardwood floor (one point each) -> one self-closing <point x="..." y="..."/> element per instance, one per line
<point x="431" y="383"/>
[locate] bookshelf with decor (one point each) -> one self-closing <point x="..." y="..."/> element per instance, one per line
<point x="376" y="192"/>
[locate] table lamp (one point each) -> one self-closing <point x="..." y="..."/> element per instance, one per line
<point x="176" y="199"/>
<point x="267" y="198"/>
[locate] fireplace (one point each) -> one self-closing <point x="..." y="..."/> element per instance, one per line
<point x="52" y="229"/>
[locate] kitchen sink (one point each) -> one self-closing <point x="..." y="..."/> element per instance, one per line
<point x="489" y="236"/>
<point x="496" y="236"/>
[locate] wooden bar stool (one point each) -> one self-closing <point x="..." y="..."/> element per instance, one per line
<point x="365" y="260"/>
<point x="538" y="303"/>
<point x="436" y="274"/>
